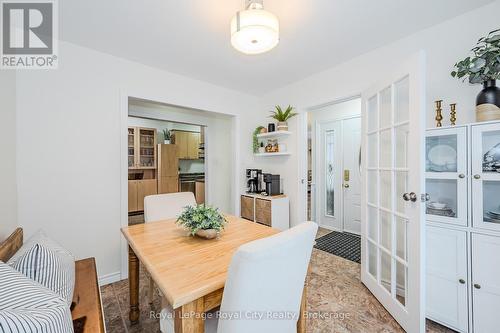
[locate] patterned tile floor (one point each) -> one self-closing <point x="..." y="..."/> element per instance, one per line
<point x="335" y="293"/>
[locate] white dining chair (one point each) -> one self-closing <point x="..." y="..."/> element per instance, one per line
<point x="166" y="206"/>
<point x="162" y="207"/>
<point x="265" y="277"/>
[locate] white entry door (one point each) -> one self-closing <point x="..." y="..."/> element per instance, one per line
<point x="392" y="215"/>
<point x="351" y="132"/>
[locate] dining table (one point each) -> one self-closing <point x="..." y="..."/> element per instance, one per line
<point x="190" y="272"/>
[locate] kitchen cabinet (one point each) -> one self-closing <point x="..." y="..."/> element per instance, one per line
<point x="137" y="190"/>
<point x="463" y="226"/>
<point x="168" y="168"/>
<point x="188" y="144"/>
<point x="141" y="148"/>
<point x="200" y="192"/>
<point x="271" y="211"/>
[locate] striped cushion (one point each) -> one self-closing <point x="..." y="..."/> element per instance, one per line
<point x="47" y="263"/>
<point x="28" y="307"/>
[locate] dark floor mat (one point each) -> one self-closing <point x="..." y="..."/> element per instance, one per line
<point x="342" y="244"/>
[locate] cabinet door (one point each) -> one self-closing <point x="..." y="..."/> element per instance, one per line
<point x="168" y="184"/>
<point x="193" y="145"/>
<point x="263" y="211"/>
<point x="168" y="162"/>
<point x="147" y="148"/>
<point x="144" y="188"/>
<point x="446" y="175"/>
<point x="447" y="277"/>
<point x="247" y="208"/>
<point x="132" y="149"/>
<point x="132" y="196"/>
<point x="181" y="141"/>
<point x="200" y="193"/>
<point x="486" y="283"/>
<point x="486" y="176"/>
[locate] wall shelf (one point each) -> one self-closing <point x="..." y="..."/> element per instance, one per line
<point x="271" y="154"/>
<point x="274" y="134"/>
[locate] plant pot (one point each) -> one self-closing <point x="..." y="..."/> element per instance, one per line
<point x="167" y="142"/>
<point x="488" y="102"/>
<point x="282" y="126"/>
<point x="208" y="233"/>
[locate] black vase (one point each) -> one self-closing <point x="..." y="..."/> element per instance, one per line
<point x="490" y="94"/>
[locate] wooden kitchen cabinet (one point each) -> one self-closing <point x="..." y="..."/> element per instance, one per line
<point x="168" y="169"/>
<point x="188" y="144"/>
<point x="271" y="211"/>
<point x="200" y="192"/>
<point x="141" y="148"/>
<point x="247" y="207"/>
<point x="137" y="190"/>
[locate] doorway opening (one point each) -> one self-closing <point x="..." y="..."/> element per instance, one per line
<point x="334" y="175"/>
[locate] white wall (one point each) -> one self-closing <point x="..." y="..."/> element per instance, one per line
<point x="68" y="148"/>
<point x="219" y="160"/>
<point x="444" y="44"/>
<point x="8" y="184"/>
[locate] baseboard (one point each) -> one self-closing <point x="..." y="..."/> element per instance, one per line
<point x="109" y="278"/>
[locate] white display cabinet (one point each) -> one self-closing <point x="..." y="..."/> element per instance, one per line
<point x="463" y="226"/>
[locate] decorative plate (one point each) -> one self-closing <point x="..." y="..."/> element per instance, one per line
<point x="442" y="155"/>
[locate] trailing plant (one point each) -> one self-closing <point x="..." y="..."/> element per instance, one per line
<point x="255" y="139"/>
<point x="281" y="115"/>
<point x="201" y="217"/>
<point x="484" y="63"/>
<point x="166" y="134"/>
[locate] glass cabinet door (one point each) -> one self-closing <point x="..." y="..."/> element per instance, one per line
<point x="446" y="175"/>
<point x="486" y="176"/>
<point x="131" y="148"/>
<point x="147" y="144"/>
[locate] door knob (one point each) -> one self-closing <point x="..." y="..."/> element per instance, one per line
<point x="477" y="286"/>
<point x="346" y="185"/>
<point x="462" y="281"/>
<point x="477" y="177"/>
<point x="461" y="175"/>
<point x="412" y="196"/>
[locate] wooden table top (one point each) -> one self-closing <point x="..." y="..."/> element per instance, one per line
<point x="186" y="268"/>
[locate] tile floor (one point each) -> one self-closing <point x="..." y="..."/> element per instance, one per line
<point x="334" y="289"/>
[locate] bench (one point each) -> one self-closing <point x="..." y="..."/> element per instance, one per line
<point x="86" y="309"/>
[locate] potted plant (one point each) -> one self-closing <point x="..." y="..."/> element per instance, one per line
<point x="167" y="136"/>
<point x="483" y="66"/>
<point x="255" y="140"/>
<point x="282" y="116"/>
<point x="203" y="221"/>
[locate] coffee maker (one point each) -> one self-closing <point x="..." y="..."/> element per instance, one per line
<point x="272" y="184"/>
<point x="254" y="181"/>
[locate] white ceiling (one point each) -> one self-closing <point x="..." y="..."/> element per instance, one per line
<point x="191" y="37"/>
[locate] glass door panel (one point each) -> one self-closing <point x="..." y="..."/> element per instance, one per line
<point x="446" y="175"/>
<point x="330" y="173"/>
<point x="131" y="148"/>
<point x="486" y="176"/>
<point x="147" y="144"/>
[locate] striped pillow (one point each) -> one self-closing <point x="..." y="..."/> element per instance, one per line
<point x="26" y="306"/>
<point x="45" y="262"/>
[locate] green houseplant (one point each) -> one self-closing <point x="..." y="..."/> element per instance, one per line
<point x="167" y="136"/>
<point x="483" y="66"/>
<point x="282" y="116"/>
<point x="202" y="220"/>
<point x="255" y="139"/>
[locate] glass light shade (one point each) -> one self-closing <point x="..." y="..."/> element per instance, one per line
<point x="254" y="30"/>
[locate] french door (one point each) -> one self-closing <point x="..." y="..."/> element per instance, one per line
<point x="392" y="214"/>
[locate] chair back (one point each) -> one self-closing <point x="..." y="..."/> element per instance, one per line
<point x="265" y="278"/>
<point x="166" y="206"/>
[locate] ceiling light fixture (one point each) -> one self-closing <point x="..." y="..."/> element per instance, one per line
<point x="254" y="30"/>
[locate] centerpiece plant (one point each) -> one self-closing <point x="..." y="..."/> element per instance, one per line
<point x="202" y="220"/>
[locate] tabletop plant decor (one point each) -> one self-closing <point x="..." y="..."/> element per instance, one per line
<point x="167" y="136"/>
<point x="483" y="66"/>
<point x="202" y="220"/>
<point x="255" y="139"/>
<point x="282" y="116"/>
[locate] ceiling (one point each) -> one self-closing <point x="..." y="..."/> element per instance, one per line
<point x="191" y="37"/>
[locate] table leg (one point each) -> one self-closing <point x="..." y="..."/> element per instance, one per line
<point x="302" y="322"/>
<point x="189" y="319"/>
<point x="133" y="278"/>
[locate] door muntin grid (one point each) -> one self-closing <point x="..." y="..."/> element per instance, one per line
<point x="387" y="180"/>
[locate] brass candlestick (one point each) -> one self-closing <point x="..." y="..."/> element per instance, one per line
<point x="453" y="113"/>
<point x="439" y="116"/>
